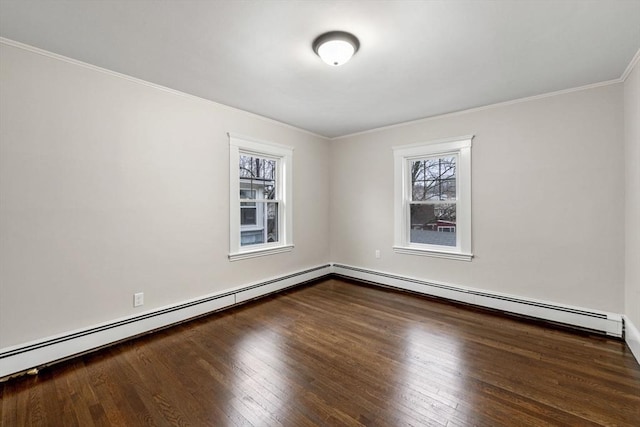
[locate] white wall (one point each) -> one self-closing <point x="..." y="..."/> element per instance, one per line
<point x="548" y="199"/>
<point x="632" y="199"/>
<point x="109" y="186"/>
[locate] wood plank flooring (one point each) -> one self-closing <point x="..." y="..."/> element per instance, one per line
<point x="337" y="353"/>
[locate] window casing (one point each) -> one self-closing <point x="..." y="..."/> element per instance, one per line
<point x="260" y="198"/>
<point x="433" y="198"/>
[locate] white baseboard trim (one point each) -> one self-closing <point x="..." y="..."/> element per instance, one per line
<point x="45" y="351"/>
<point x="632" y="337"/>
<point x="608" y="323"/>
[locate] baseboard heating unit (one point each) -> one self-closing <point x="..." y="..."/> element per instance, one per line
<point x="607" y="323"/>
<point x="34" y="354"/>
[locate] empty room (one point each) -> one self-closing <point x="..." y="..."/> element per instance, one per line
<point x="319" y="213"/>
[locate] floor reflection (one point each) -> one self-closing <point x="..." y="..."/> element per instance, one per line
<point x="259" y="383"/>
<point x="430" y="378"/>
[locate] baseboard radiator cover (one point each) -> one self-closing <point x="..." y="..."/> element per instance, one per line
<point x="20" y="358"/>
<point x="600" y="321"/>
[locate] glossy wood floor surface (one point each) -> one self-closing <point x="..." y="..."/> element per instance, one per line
<point x="337" y="353"/>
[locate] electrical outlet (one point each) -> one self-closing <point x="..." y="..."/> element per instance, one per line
<point x="138" y="299"/>
<point x="377" y="253"/>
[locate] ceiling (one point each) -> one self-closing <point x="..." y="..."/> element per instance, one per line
<point x="417" y="58"/>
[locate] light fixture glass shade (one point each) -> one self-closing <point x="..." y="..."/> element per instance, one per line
<point x="336" y="47"/>
<point x="335" y="52"/>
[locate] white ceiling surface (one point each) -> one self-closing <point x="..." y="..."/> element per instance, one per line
<point x="417" y="58"/>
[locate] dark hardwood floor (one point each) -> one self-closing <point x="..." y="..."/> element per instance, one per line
<point x="338" y="353"/>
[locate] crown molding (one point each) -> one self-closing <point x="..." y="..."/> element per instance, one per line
<point x="36" y="50"/>
<point x="482" y="108"/>
<point x="621" y="79"/>
<point x="632" y="64"/>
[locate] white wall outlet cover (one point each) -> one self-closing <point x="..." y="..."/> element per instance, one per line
<point x="138" y="299"/>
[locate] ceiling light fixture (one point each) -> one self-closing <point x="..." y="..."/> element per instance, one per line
<point x="336" y="47"/>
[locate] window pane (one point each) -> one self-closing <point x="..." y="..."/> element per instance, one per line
<point x="272" y="222"/>
<point x="258" y="177"/>
<point x="257" y="182"/>
<point x="433" y="224"/>
<point x="262" y="221"/>
<point x="251" y="237"/>
<point x="247" y="194"/>
<point x="433" y="179"/>
<point x="248" y="215"/>
<point x="257" y="167"/>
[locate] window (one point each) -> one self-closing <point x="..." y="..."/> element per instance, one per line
<point x="260" y="198"/>
<point x="433" y="198"/>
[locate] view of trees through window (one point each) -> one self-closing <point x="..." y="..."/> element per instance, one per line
<point x="433" y="201"/>
<point x="258" y="200"/>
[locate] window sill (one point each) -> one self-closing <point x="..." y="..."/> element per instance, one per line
<point x="436" y="254"/>
<point x="259" y="252"/>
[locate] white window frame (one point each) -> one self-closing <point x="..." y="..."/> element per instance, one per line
<point x="403" y="155"/>
<point x="238" y="145"/>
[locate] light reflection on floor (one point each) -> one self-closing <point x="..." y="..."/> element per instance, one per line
<point x="431" y="354"/>
<point x="263" y="388"/>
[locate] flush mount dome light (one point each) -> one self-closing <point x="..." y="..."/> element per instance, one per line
<point x="336" y="47"/>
